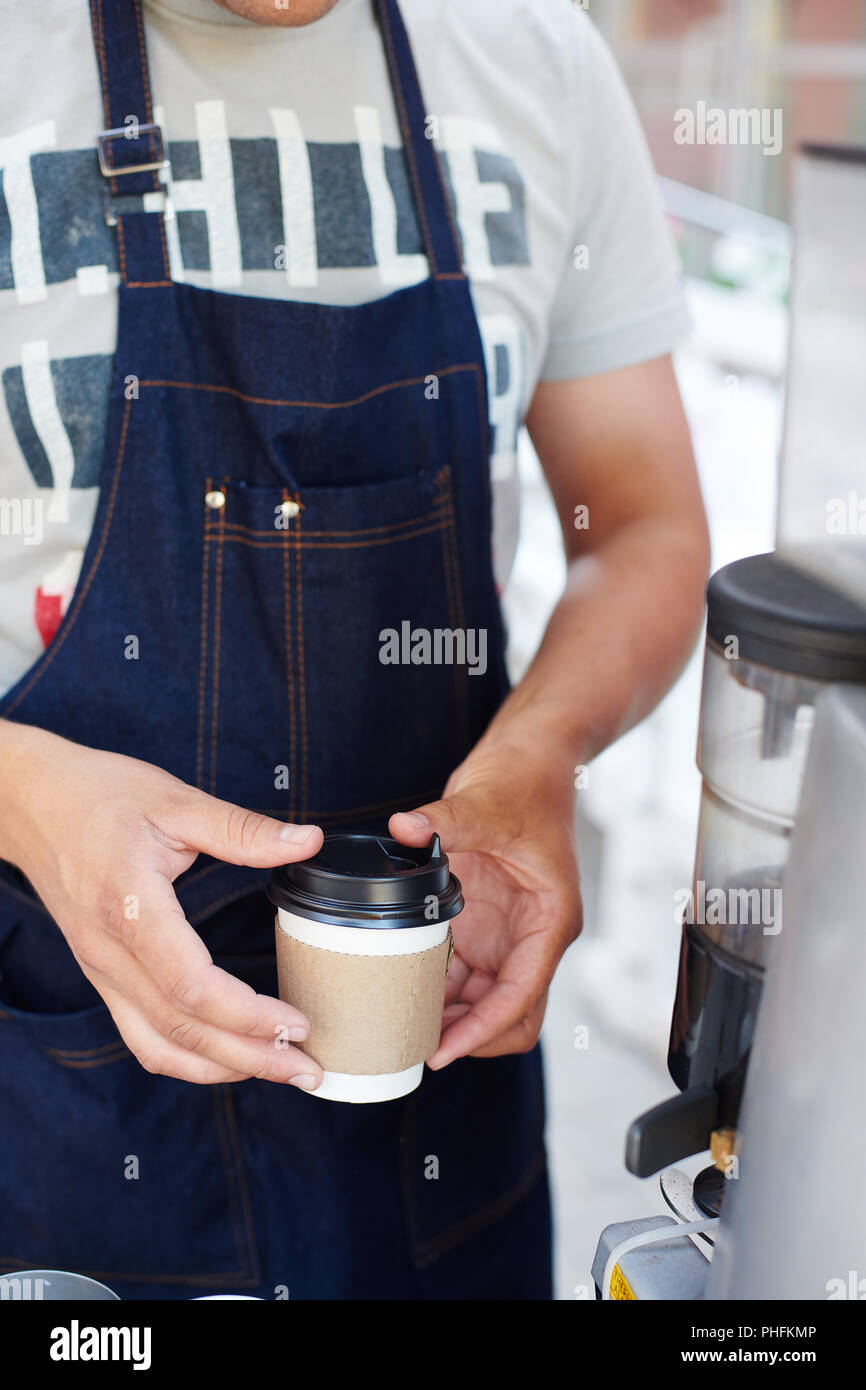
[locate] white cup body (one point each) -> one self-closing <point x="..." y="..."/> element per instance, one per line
<point x="365" y="941"/>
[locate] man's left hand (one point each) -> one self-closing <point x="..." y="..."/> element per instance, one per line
<point x="508" y="831"/>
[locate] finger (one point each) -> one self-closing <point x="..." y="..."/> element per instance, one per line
<point x="521" y="1038"/>
<point x="451" y="1013"/>
<point x="451" y="819"/>
<point x="519" y="986"/>
<point x="458" y="974"/>
<point x="266" y="1060"/>
<point x="476" y="985"/>
<point x="235" y="835"/>
<point x="151" y="1049"/>
<point x="180" y="965"/>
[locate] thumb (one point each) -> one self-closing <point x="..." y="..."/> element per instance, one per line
<point x="238" y="836"/>
<point x="453" y="819"/>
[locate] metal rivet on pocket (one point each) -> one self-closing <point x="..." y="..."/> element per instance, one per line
<point x="290" y="508"/>
<point x="215" y="499"/>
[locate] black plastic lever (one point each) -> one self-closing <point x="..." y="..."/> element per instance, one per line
<point x="672" y="1130"/>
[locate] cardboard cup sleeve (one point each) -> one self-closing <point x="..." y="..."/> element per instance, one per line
<point x="369" y="1014"/>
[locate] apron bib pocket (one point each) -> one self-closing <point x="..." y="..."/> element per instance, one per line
<point x="357" y="618"/>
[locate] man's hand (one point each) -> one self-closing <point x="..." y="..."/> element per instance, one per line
<point x="102" y="837"/>
<point x="506" y="822"/>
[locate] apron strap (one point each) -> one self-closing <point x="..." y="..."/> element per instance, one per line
<point x="132" y="150"/>
<point x="438" y="228"/>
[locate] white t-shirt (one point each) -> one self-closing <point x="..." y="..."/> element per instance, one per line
<point x="571" y="265"/>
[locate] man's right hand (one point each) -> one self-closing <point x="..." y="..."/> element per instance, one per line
<point x="102" y="837"/>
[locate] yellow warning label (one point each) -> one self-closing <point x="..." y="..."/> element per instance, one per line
<point x="619" y="1285"/>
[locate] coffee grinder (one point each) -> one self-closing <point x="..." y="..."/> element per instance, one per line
<point x="780" y="628"/>
<point x="775" y="639"/>
<point x="786" y="649"/>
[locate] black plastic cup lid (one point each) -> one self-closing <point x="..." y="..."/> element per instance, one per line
<point x="369" y="881"/>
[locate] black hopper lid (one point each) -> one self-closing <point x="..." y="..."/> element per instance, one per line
<point x="786" y="620"/>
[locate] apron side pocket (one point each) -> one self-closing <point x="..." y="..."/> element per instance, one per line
<point x="110" y="1161"/>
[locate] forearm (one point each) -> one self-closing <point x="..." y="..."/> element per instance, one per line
<point x="617" y="640"/>
<point x="23" y="754"/>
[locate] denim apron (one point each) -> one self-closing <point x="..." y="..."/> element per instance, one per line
<point x="281" y="482"/>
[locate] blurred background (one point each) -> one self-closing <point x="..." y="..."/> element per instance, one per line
<point x="607" y="1025"/>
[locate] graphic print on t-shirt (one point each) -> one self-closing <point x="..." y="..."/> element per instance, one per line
<point x="228" y="213"/>
<point x="235" y="206"/>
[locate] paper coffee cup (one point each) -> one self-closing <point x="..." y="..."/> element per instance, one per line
<point x="363" y="947"/>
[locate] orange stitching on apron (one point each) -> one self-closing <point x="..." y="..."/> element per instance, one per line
<point x="66" y="627"/>
<point x="202" y="677"/>
<point x="410" y="159"/>
<point x="94" y="1062"/>
<point x="148" y="110"/>
<point x="361" y="531"/>
<point x="341" y="545"/>
<point x="314" y="405"/>
<point x="155" y="173"/>
<point x="167" y="280"/>
<point x="103" y="63"/>
<point x="87" y="1051"/>
<point x="216" y="659"/>
<point x="299" y="604"/>
<point x="145" y="82"/>
<point x="287" y="622"/>
<point x="96" y="12"/>
<point x="121" y="250"/>
<point x="451" y="569"/>
<point x="407" y="145"/>
<point x="408" y="148"/>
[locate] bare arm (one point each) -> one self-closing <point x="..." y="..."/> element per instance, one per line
<point x="619" y="445"/>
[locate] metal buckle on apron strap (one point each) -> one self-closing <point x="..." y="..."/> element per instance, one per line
<point x="103" y="150"/>
<point x="155" y="200"/>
